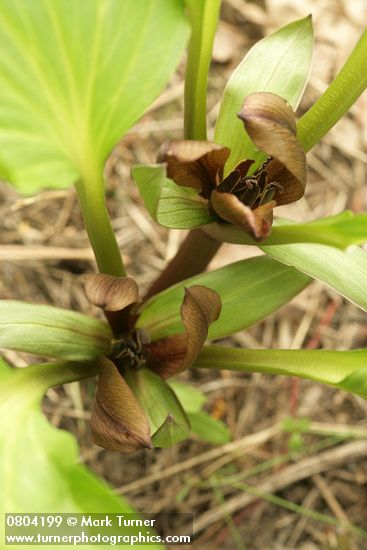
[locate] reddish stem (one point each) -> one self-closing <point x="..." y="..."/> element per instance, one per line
<point x="325" y="321"/>
<point x="192" y="258"/>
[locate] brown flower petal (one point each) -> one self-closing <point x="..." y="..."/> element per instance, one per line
<point x="118" y="421"/>
<point x="257" y="222"/>
<point x="240" y="171"/>
<point x="110" y="293"/>
<point x="174" y="354"/>
<point x="197" y="164"/>
<point x="270" y="122"/>
<point x="167" y="355"/>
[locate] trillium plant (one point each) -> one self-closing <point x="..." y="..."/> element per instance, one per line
<point x="245" y="201"/>
<point x="118" y="420"/>
<point x="73" y="81"/>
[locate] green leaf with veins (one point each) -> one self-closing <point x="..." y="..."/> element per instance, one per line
<point x="279" y="63"/>
<point x="346" y="370"/>
<point x="167" y="419"/>
<point x="209" y="429"/>
<point x="52" y="332"/>
<point x="169" y="204"/>
<point x="192" y="399"/>
<point x="343" y="271"/>
<point x="249" y="290"/>
<point x="203" y="425"/>
<point x="74" y="77"/>
<point x="39" y="471"/>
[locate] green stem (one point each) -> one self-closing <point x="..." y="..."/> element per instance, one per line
<point x="328" y="367"/>
<point x="98" y="226"/>
<point x="203" y="15"/>
<point x="348" y="85"/>
<point x="198" y="248"/>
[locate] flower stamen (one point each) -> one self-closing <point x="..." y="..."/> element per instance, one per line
<point x="130" y="351"/>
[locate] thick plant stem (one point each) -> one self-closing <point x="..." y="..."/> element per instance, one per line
<point x="102" y="238"/>
<point x="99" y="229"/>
<point x="193" y="257"/>
<point x="348" y="85"/>
<point x="203" y="15"/>
<point x="198" y="248"/>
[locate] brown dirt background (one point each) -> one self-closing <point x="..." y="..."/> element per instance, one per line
<point x="44" y="250"/>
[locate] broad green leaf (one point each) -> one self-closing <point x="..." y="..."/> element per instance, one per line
<point x="167" y="419"/>
<point x="52" y="332"/>
<point x="344" y="272"/>
<point x="340" y="231"/>
<point x="190" y="398"/>
<point x="250" y="290"/>
<point x="38" y="463"/>
<point x="169" y="204"/>
<point x="203" y="425"/>
<point x="74" y="76"/>
<point x="343" y="369"/>
<point x="209" y="429"/>
<point x="280" y="63"/>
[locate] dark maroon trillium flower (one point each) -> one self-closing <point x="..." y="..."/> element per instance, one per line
<point x="118" y="421"/>
<point x="244" y="200"/>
